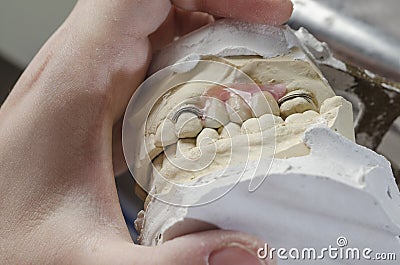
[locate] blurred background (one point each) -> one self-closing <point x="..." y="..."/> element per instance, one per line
<point x="26" y="25"/>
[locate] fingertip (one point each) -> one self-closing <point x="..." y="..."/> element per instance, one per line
<point x="274" y="12"/>
<point x="284" y="10"/>
<point x="201" y="248"/>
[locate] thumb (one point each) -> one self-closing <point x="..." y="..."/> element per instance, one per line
<point x="216" y="247"/>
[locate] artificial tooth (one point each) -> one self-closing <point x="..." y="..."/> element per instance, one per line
<point x="216" y="114"/>
<point x="264" y="103"/>
<point x="230" y="130"/>
<point x="295" y="118"/>
<point x="309" y="115"/>
<point x="170" y="151"/>
<point x="268" y="121"/>
<point x="251" y="126"/>
<point x="165" y="134"/>
<point x="166" y="164"/>
<point x="151" y="148"/>
<point x="302" y="117"/>
<point x="296" y="105"/>
<point x="207" y="136"/>
<point x="188" y="125"/>
<point x="158" y="162"/>
<point x="238" y="110"/>
<point x="263" y="123"/>
<point x="184" y="146"/>
<point x="331" y="103"/>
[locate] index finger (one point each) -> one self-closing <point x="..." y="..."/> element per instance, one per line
<point x="274" y="12"/>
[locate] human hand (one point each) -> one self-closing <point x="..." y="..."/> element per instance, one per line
<point x="60" y="140"/>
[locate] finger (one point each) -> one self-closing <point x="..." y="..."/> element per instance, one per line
<point x="179" y="22"/>
<point x="273" y="12"/>
<point x="187" y="21"/>
<point x="215" y="247"/>
<point x="165" y="33"/>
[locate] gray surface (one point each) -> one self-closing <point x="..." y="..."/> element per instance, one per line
<point x="351" y="39"/>
<point x="383" y="14"/>
<point x="9" y="74"/>
<point x="376" y="18"/>
<point x="26" y="24"/>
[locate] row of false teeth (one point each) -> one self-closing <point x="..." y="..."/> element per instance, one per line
<point x="189" y="121"/>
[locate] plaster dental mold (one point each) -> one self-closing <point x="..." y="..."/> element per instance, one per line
<point x="339" y="190"/>
<point x="233" y="108"/>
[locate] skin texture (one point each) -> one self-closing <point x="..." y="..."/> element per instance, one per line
<point x="60" y="132"/>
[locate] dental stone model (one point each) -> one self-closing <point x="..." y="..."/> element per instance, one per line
<point x="241" y="124"/>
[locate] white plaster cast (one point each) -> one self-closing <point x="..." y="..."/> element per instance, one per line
<point x="226" y="38"/>
<point x="156" y="101"/>
<point x="296" y="75"/>
<point x="309" y="197"/>
<point x="339" y="189"/>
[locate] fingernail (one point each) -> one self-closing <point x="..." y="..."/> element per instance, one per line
<point x="233" y="255"/>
